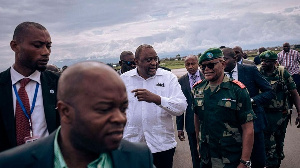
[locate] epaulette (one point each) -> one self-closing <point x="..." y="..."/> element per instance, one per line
<point x="241" y="85"/>
<point x="197" y="83"/>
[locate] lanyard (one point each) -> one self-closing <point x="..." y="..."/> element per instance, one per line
<point x="33" y="101"/>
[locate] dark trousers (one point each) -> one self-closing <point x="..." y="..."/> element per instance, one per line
<point x="258" y="156"/>
<point x="193" y="149"/>
<point x="296" y="78"/>
<point x="164" y="159"/>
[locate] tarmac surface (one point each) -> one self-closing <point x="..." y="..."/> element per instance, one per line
<point x="182" y="157"/>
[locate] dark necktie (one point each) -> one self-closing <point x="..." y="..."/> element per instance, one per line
<point x="194" y="77"/>
<point x="230" y="75"/>
<point x="22" y="122"/>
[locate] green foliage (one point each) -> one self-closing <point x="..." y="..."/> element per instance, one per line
<point x="172" y="64"/>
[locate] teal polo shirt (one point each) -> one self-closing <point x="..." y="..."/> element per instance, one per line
<point x="104" y="160"/>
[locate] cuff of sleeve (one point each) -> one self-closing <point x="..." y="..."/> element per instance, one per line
<point x="163" y="102"/>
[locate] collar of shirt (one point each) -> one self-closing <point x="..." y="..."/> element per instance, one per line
<point x="241" y="61"/>
<point x="16" y="76"/>
<point x="104" y="160"/>
<point x="234" y="72"/>
<point x="134" y="72"/>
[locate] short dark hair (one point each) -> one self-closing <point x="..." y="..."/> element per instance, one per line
<point x="125" y="53"/>
<point x="261" y="50"/>
<point x="228" y="51"/>
<point x="22" y="29"/>
<point x="140" y="48"/>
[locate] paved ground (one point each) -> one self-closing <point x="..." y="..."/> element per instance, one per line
<point x="182" y="158"/>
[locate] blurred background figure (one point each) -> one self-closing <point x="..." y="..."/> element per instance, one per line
<point x="52" y="68"/>
<point x="256" y="58"/>
<point x="126" y="62"/>
<point x="240" y="56"/>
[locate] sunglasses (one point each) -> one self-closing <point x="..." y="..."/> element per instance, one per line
<point x="210" y="65"/>
<point x="129" y="63"/>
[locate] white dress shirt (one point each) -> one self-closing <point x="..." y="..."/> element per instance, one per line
<point x="148" y="122"/>
<point x="197" y="78"/>
<point x="234" y="73"/>
<point x="39" y="125"/>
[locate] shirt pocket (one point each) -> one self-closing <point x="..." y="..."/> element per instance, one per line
<point x="229" y="107"/>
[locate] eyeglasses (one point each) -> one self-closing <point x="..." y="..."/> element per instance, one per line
<point x="129" y="63"/>
<point x="152" y="58"/>
<point x="209" y="65"/>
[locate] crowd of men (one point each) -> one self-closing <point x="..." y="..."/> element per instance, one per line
<point x="235" y="113"/>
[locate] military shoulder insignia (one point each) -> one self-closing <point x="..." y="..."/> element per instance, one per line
<point x="197" y="83"/>
<point x="241" y="85"/>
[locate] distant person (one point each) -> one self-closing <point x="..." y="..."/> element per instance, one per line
<point x="260" y="92"/>
<point x="52" y="68"/>
<point x="154" y="97"/>
<point x="240" y="56"/>
<point x="290" y="59"/>
<point x="277" y="112"/>
<point x="224" y="115"/>
<point x="126" y="62"/>
<point x="187" y="119"/>
<point x="92" y="103"/>
<point x="28" y="92"/>
<point x="257" y="60"/>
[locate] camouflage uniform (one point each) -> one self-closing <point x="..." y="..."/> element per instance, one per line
<point x="277" y="115"/>
<point x="221" y="114"/>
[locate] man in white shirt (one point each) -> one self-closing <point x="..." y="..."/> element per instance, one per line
<point x="32" y="46"/>
<point x="155" y="96"/>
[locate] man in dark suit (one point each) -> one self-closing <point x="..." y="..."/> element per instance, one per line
<point x="254" y="82"/>
<point x="241" y="56"/>
<point x="92" y="102"/>
<point x="32" y="46"/>
<point x="186" y="82"/>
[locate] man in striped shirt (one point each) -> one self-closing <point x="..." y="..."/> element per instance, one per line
<point x="290" y="59"/>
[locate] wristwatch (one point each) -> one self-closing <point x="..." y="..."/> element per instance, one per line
<point x="246" y="163"/>
<point x="252" y="102"/>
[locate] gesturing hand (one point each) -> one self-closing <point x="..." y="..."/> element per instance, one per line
<point x="146" y="95"/>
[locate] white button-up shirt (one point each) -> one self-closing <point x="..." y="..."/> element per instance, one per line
<point x="148" y="122"/>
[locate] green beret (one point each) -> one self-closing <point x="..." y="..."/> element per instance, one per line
<point x="268" y="55"/>
<point x="210" y="54"/>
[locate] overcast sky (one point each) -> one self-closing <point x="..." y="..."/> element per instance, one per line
<point x="104" y="28"/>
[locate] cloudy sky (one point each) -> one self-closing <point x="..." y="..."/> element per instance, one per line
<point x="102" y="29"/>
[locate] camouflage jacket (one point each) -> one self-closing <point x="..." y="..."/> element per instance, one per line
<point x="281" y="82"/>
<point x="222" y="112"/>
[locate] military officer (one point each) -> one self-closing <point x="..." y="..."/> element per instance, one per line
<point x="223" y="109"/>
<point x="277" y="112"/>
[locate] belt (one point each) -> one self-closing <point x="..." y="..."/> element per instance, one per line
<point x="271" y="110"/>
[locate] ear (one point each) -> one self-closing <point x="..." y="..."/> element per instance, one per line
<point x="136" y="61"/>
<point x="66" y="112"/>
<point x="14" y="46"/>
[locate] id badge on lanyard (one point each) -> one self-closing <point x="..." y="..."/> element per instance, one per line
<point x="30" y="138"/>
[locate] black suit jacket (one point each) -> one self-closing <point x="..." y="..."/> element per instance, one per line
<point x="189" y="113"/>
<point x="40" y="154"/>
<point x="255" y="82"/>
<point x="7" y="119"/>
